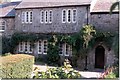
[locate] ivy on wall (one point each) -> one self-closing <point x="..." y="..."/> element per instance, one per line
<point x="76" y="40"/>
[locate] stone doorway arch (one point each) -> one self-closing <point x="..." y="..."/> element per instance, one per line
<point x="99" y="57"/>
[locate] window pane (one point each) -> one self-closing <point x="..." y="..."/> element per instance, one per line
<point x="23" y="17"/>
<point x="69" y="15"/>
<point x="31" y="16"/>
<point x="30" y="47"/>
<point x="63" y="16"/>
<point x="45" y="47"/>
<point x="27" y="17"/>
<point x="60" y="48"/>
<point x="2" y="25"/>
<point x="74" y="15"/>
<point x="42" y="17"/>
<point x="25" y="46"/>
<point x="50" y="16"/>
<point x="39" y="46"/>
<point x="46" y="16"/>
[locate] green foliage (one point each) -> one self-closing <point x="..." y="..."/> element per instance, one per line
<point x="16" y="66"/>
<point x="65" y="72"/>
<point x="111" y="75"/>
<point x="87" y="34"/>
<point x="6" y="47"/>
<point x="53" y="51"/>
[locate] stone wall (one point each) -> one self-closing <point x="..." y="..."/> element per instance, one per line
<point x="10" y="26"/>
<point x="105" y="22"/>
<point x="56" y="26"/>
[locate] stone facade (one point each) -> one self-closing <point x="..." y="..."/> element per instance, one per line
<point x="10" y="26"/>
<point x="105" y="22"/>
<point x="56" y="26"/>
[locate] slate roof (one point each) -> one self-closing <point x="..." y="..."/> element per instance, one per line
<point x="51" y="3"/>
<point x="8" y="9"/>
<point x="102" y="6"/>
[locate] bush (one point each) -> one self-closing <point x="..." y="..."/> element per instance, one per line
<point x="17" y="66"/>
<point x="65" y="72"/>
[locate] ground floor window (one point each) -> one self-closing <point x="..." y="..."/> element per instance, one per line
<point x="65" y="49"/>
<point x="25" y="47"/>
<point x="42" y="46"/>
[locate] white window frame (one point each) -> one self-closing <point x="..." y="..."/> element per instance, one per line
<point x="50" y="16"/>
<point x="70" y="16"/>
<point x="29" y="46"/>
<point x="46" y="17"/>
<point x="42" y="13"/>
<point x="21" y="47"/>
<point x="27" y="17"/>
<point x="74" y="15"/>
<point x="1" y="24"/>
<point x="30" y="17"/>
<point x="38" y="47"/>
<point x="61" y="49"/>
<point x="23" y="17"/>
<point x="44" y="46"/>
<point x="64" y="16"/>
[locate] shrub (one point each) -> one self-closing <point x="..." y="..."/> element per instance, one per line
<point x="17" y="66"/>
<point x="65" y="72"/>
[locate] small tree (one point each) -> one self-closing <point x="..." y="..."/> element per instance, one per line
<point x="87" y="34"/>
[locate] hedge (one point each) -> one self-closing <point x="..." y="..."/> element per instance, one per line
<point x="16" y="66"/>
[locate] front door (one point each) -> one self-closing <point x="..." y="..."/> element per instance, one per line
<point x="99" y="57"/>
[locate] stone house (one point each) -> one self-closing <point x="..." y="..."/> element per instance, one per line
<point x="7" y="18"/>
<point x="63" y="17"/>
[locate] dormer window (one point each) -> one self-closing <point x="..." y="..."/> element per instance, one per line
<point x="2" y="25"/>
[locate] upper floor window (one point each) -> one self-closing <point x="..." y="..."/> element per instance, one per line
<point x="46" y="16"/>
<point x="50" y="16"/>
<point x="63" y="16"/>
<point x="42" y="16"/>
<point x="2" y="25"/>
<point x="69" y="15"/>
<point x="30" y="17"/>
<point x="74" y="15"/>
<point x="23" y="17"/>
<point x="27" y="17"/>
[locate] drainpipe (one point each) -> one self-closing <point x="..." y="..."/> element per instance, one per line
<point x="85" y="46"/>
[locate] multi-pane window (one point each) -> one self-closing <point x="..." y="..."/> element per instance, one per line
<point x="21" y="47"/>
<point x="27" y="17"/>
<point x="42" y="16"/>
<point x="39" y="47"/>
<point x="46" y="16"/>
<point x="30" y="17"/>
<point x="60" y="49"/>
<point x="74" y="16"/>
<point x="23" y="17"/>
<point x="65" y="49"/>
<point x="45" y="47"/>
<point x="69" y="15"/>
<point x="2" y="25"/>
<point x="50" y="16"/>
<point x="25" y="47"/>
<point x="63" y="16"/>
<point x="42" y="47"/>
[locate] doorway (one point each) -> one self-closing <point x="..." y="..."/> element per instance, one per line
<point x="99" y="57"/>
